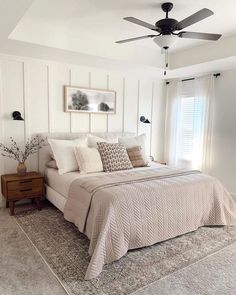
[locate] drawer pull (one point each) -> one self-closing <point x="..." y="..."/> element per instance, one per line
<point x="25" y="181"/>
<point x="26" y="190"/>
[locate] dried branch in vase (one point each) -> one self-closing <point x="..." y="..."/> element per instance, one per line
<point x="14" y="152"/>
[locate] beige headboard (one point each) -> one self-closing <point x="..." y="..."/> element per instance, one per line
<point x="44" y="153"/>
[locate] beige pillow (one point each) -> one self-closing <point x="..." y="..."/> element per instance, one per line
<point x="89" y="159"/>
<point x="136" y="157"/>
<point x="114" y="156"/>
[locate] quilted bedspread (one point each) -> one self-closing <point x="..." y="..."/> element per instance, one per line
<point x="130" y="209"/>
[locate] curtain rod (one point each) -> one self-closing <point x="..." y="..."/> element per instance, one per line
<point x="190" y="79"/>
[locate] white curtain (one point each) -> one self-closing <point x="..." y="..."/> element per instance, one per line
<point x="171" y="129"/>
<point x="189" y="119"/>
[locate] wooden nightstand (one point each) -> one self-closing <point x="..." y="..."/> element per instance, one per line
<point x="15" y="188"/>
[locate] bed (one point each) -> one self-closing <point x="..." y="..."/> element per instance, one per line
<point x="124" y="210"/>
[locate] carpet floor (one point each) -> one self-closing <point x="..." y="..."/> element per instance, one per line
<point x="66" y="252"/>
<point x="213" y="275"/>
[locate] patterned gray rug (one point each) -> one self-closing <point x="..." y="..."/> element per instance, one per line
<point x="66" y="251"/>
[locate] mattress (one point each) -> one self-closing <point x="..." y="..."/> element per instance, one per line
<point x="61" y="183"/>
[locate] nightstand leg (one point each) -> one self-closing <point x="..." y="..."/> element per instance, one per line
<point x="7" y="204"/>
<point x="12" y="207"/>
<point x="37" y="201"/>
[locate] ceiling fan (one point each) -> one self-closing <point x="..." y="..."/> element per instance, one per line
<point x="166" y="28"/>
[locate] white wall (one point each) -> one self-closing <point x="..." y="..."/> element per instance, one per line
<point x="224" y="135"/>
<point x="35" y="88"/>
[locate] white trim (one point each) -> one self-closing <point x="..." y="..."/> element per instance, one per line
<point x="138" y="106"/>
<point x="123" y="106"/>
<point x="25" y="77"/>
<point x="151" y="128"/>
<point x="50" y="98"/>
<point x="70" y="79"/>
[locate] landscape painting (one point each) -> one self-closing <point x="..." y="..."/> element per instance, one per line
<point x="86" y="100"/>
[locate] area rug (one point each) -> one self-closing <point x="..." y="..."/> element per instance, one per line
<point x="66" y="252"/>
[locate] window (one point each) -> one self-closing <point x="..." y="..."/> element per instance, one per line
<point x="190" y="131"/>
<point x="189" y="122"/>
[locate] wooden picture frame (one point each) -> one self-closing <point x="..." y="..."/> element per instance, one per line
<point x="89" y="100"/>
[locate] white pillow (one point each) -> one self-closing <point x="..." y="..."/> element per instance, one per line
<point x="92" y="141"/>
<point x="130" y="142"/>
<point x="89" y="159"/>
<point x="63" y="151"/>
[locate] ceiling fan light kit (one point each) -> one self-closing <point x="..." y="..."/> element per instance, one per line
<point x="165" y="29"/>
<point x="165" y="41"/>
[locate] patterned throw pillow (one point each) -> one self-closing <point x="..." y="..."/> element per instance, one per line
<point x="136" y="157"/>
<point x="114" y="156"/>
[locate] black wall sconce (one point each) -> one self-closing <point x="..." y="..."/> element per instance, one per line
<point x="17" y="116"/>
<point x="144" y="120"/>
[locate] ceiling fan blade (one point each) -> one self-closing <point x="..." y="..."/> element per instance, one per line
<point x="202" y="36"/>
<point x="134" y="39"/>
<point x="194" y="18"/>
<point x="140" y="23"/>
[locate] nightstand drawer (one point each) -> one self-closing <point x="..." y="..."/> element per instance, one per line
<point x="25" y="193"/>
<point x="24" y="184"/>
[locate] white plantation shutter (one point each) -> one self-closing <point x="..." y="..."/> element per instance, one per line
<point x="190" y="138"/>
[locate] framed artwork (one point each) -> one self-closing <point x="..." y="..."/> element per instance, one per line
<point x="86" y="100"/>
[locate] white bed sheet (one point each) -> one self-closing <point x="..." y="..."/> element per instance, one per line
<point x="61" y="183"/>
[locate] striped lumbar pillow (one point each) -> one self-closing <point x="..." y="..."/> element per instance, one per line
<point x="136" y="157"/>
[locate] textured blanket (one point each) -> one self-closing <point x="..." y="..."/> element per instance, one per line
<point x="136" y="208"/>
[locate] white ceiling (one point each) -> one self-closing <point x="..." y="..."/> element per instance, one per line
<point x="92" y="26"/>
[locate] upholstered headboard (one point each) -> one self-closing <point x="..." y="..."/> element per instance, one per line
<point x="44" y="153"/>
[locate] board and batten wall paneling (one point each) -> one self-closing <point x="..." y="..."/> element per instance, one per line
<point x="36" y="89"/>
<point x="60" y="77"/>
<point x="145" y="105"/>
<point x="158" y="120"/>
<point x="37" y="119"/>
<point x="131" y="93"/>
<point x="12" y="100"/>
<point x="80" y="77"/>
<point x="115" y="122"/>
<point x="100" y="80"/>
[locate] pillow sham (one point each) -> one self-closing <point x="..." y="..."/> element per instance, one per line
<point x="130" y="142"/>
<point x="63" y="151"/>
<point x="114" y="156"/>
<point x="88" y="159"/>
<point x="92" y="141"/>
<point x="136" y="157"/>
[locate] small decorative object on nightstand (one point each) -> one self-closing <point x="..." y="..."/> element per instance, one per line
<point x="14" y="152"/>
<point x="15" y="188"/>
